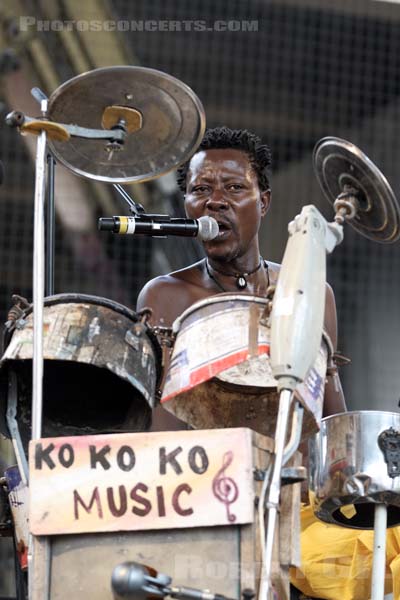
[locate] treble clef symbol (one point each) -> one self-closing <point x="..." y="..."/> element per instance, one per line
<point x="224" y="488"/>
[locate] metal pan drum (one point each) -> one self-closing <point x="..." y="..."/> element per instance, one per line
<point x="354" y="464"/>
<point x="101" y="366"/>
<point x="220" y="376"/>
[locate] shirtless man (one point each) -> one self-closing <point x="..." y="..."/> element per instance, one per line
<point x="227" y="179"/>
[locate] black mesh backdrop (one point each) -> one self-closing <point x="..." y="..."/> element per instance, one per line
<point x="307" y="69"/>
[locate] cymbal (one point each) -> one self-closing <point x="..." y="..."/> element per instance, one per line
<point x="164" y="118"/>
<point x="339" y="163"/>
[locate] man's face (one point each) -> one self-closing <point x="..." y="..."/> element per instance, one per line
<point x="221" y="183"/>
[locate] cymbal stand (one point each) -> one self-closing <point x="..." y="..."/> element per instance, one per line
<point x="39" y="547"/>
<point x="50" y="226"/>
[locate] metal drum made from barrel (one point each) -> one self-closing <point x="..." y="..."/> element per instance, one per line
<point x="220" y="375"/>
<point x="101" y="367"/>
<point x="354" y="464"/>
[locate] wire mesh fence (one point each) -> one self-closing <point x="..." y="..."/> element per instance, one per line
<point x="293" y="71"/>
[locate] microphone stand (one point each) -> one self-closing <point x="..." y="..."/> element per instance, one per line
<point x="135" y="208"/>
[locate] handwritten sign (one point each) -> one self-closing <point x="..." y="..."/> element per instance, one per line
<point x="140" y="481"/>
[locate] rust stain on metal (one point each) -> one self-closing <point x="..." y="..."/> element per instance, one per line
<point x="253" y="329"/>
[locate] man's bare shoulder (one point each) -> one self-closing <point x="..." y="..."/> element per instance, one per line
<point x="168" y="295"/>
<point x="175" y="279"/>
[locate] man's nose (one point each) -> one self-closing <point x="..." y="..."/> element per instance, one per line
<point x="217" y="201"/>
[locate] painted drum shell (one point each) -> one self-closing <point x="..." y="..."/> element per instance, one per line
<point x="219" y="374"/>
<point x="101" y="366"/>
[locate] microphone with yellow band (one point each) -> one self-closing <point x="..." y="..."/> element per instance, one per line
<point x="205" y="228"/>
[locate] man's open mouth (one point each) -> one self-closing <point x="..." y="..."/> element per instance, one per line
<point x="223" y="227"/>
<point x="224" y="230"/>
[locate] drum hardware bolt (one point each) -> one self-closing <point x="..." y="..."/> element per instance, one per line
<point x="145" y="314"/>
<point x="15" y="118"/>
<point x="346" y="205"/>
<point x="16" y="312"/>
<point x="128" y="96"/>
<point x="138" y="329"/>
<point x="165" y="335"/>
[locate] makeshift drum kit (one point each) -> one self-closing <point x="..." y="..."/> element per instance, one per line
<point x="107" y="496"/>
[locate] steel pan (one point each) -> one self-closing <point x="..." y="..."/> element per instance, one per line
<point x="348" y="469"/>
<point x="219" y="374"/>
<point x="101" y="366"/>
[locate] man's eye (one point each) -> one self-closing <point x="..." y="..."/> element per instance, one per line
<point x="235" y="186"/>
<point x="200" y="189"/>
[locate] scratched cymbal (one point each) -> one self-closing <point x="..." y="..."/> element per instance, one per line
<point x="339" y="164"/>
<point x="165" y="123"/>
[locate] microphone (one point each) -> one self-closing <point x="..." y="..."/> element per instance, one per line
<point x="206" y="228"/>
<point x="134" y="581"/>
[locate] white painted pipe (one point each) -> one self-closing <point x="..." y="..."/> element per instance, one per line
<point x="274" y="491"/>
<point x="38" y="286"/>
<point x="379" y="554"/>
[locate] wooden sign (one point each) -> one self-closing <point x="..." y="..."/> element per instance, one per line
<point x="141" y="481"/>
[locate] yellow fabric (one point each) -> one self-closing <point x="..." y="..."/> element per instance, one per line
<point x="337" y="562"/>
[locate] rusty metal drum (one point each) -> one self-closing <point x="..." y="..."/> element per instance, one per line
<point x="220" y="375"/>
<point x="101" y="367"/>
<point x="355" y="464"/>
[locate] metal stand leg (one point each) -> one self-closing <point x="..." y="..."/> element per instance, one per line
<point x="38" y="287"/>
<point x="274" y="491"/>
<point x="379" y="555"/>
<point x="50" y="226"/>
<point x="39" y="548"/>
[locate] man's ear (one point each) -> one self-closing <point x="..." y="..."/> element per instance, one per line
<point x="265" y="199"/>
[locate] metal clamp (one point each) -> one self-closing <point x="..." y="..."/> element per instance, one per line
<point x="389" y="443"/>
